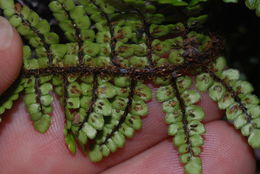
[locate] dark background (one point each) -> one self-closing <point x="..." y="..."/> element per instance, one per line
<point x="240" y="28"/>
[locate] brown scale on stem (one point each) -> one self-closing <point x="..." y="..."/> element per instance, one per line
<point x="38" y="92"/>
<point x="78" y="36"/>
<point x="183" y="111"/>
<point x="113" y="55"/>
<point x="126" y="111"/>
<point x="93" y="99"/>
<point x="233" y="93"/>
<point x="213" y="50"/>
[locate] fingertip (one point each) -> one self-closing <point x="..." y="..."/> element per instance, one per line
<point x="10" y="62"/>
<point x="210" y="108"/>
<point x="226" y="151"/>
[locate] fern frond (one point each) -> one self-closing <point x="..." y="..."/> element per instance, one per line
<point x="184" y="119"/>
<point x="242" y="108"/>
<point x="100" y="72"/>
<point x="11" y="95"/>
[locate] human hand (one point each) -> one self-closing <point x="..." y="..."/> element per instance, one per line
<point x="23" y="150"/>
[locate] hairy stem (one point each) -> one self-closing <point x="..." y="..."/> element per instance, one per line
<point x="37" y="33"/>
<point x="233" y="94"/>
<point x="93" y="100"/>
<point x="77" y="34"/>
<point x="126" y="111"/>
<point x="38" y="92"/>
<point x="149" y="39"/>
<point x="111" y="31"/>
<point x="183" y="111"/>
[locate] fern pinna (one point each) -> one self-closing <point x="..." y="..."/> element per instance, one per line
<point x="111" y="49"/>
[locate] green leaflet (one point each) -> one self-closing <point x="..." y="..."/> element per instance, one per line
<point x="230" y="1"/>
<point x="124" y="119"/>
<point x="253" y="5"/>
<point x="97" y="109"/>
<point x="100" y="73"/>
<point x="168" y="2"/>
<point x="184" y="119"/>
<point x="234" y="96"/>
<point x="38" y="101"/>
<point x="11" y="95"/>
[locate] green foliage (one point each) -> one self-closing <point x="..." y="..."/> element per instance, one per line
<point x="230" y="1"/>
<point x="254" y="5"/>
<point x="169" y="2"/>
<point x="184" y="119"/>
<point x="251" y="4"/>
<point x="100" y="74"/>
<point x="11" y="95"/>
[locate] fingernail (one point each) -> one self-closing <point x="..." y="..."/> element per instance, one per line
<point x="6" y="34"/>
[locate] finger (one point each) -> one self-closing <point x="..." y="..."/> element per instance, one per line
<point x="10" y="54"/>
<point x="224" y="152"/>
<point x="50" y="150"/>
<point x="210" y="108"/>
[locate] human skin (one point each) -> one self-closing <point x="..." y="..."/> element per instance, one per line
<point x="23" y="150"/>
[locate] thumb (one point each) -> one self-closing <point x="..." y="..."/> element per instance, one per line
<point x="10" y="54"/>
